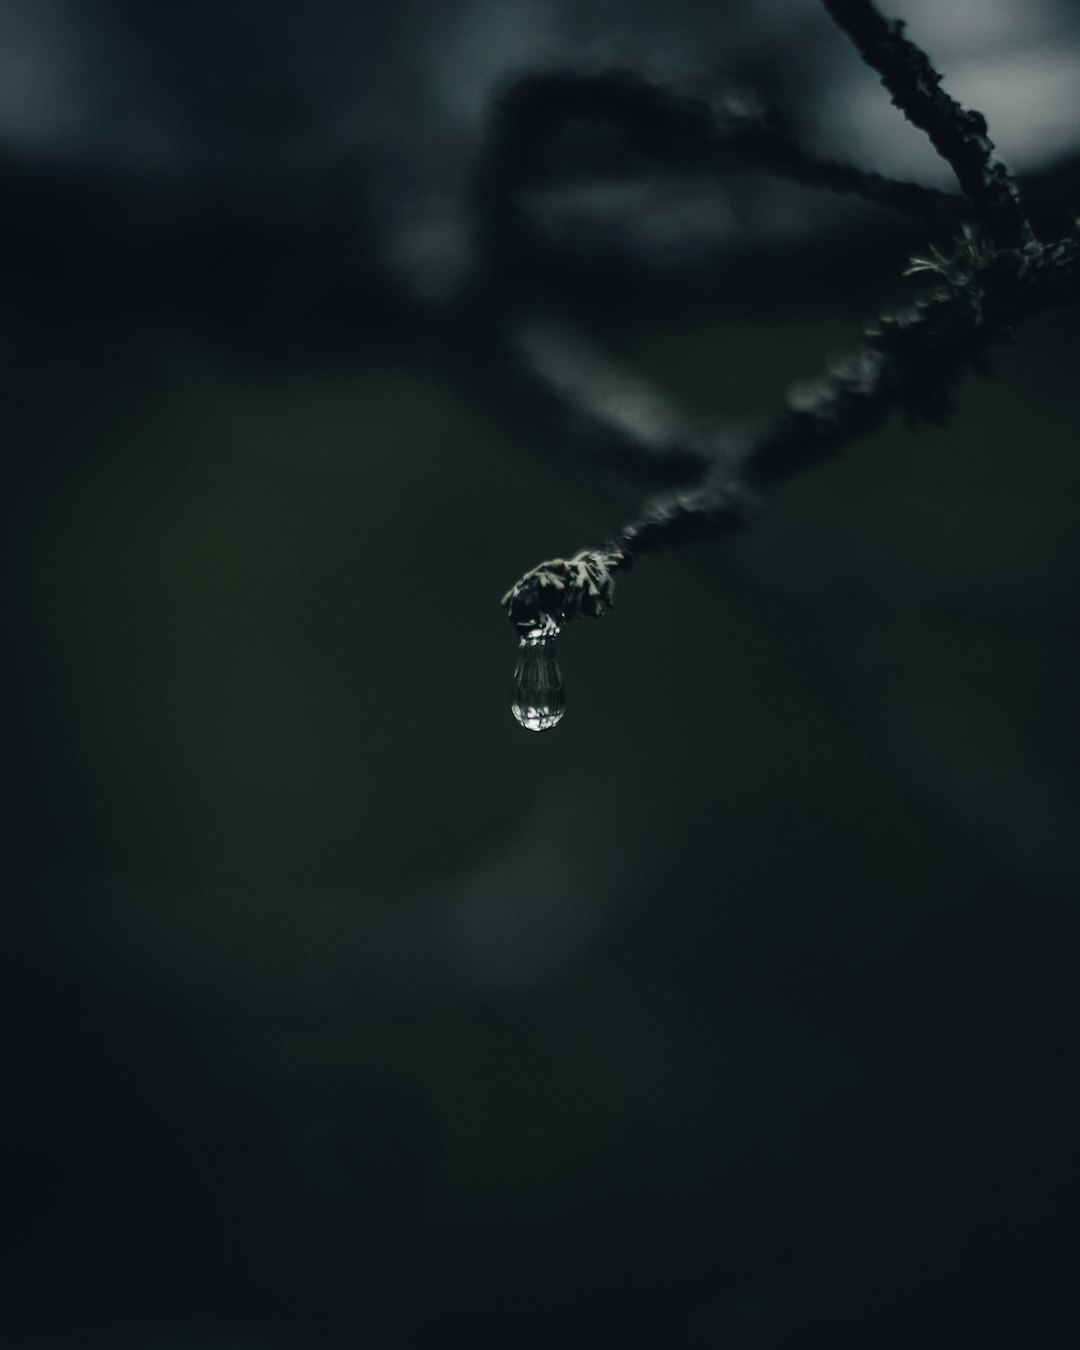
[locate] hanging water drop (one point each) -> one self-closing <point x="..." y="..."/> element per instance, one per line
<point x="539" y="701"/>
<point x="538" y="605"/>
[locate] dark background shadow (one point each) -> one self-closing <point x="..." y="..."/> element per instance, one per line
<point x="739" y="1011"/>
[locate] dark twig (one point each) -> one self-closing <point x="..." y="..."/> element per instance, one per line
<point x="958" y="134"/>
<point x="788" y="159"/>
<point x="911" y="361"/>
<point x="664" y="129"/>
<point x="548" y="126"/>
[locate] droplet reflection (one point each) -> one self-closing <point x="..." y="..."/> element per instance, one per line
<point x="539" y="701"/>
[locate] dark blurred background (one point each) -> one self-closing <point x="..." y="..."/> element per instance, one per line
<point x="740" y="1010"/>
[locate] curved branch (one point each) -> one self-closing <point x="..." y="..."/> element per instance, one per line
<point x="547" y="125"/>
<point x="618" y="416"/>
<point x="662" y="128"/>
<point x="912" y="357"/>
<point x="911" y="360"/>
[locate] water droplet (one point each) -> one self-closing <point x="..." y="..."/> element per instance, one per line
<point x="539" y="701"/>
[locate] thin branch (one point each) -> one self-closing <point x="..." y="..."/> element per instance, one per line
<point x="958" y="134"/>
<point x="662" y="128"/>
<point x="614" y="414"/>
<point x="911" y="360"/>
<point x="788" y="159"/>
<point x="553" y="124"/>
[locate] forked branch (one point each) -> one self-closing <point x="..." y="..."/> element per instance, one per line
<point x="997" y="275"/>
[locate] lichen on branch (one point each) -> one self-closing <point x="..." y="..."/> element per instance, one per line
<point x="958" y="134"/>
<point x="556" y="591"/>
<point x="996" y="275"/>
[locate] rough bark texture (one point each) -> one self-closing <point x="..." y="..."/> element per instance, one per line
<point x="958" y="134"/>
<point x="998" y="275"/>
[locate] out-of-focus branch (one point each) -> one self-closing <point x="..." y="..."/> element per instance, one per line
<point x="551" y="124"/>
<point x="618" y="416"/>
<point x="912" y="357"/>
<point x="910" y="361"/>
